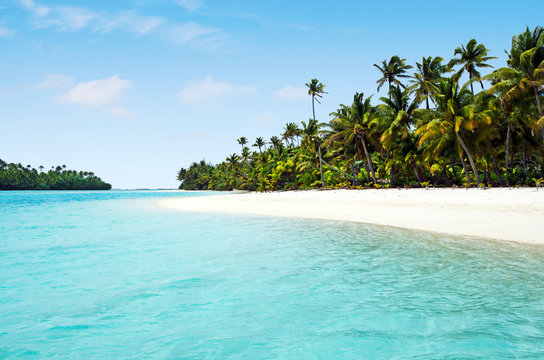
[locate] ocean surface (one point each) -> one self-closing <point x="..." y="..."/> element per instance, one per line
<point x="111" y="275"/>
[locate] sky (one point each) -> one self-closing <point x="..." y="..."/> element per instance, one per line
<point x="133" y="90"/>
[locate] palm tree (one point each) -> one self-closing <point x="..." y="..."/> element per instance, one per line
<point x="394" y="119"/>
<point x="352" y="125"/>
<point x="427" y="74"/>
<point x="315" y="90"/>
<point x="311" y="139"/>
<point x="472" y="56"/>
<point x="392" y="70"/>
<point x="260" y="143"/>
<point x="291" y="130"/>
<point x="242" y="141"/>
<point x="275" y="141"/>
<point x="454" y="114"/>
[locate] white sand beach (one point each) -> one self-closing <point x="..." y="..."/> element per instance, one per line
<point x="513" y="214"/>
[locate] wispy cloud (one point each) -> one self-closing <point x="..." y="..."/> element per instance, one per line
<point x="35" y="9"/>
<point x="73" y="18"/>
<point x="189" y="32"/>
<point x="5" y="32"/>
<point x="97" y="93"/>
<point x="291" y="93"/>
<point x="208" y="91"/>
<point x="190" y="5"/>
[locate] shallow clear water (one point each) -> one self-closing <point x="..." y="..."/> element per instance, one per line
<point x="112" y="275"/>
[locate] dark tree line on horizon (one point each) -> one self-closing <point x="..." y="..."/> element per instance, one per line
<point x="18" y="177"/>
<point x="430" y="129"/>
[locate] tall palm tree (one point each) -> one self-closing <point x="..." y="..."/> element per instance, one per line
<point x="392" y="70"/>
<point x="429" y="71"/>
<point x="315" y="90"/>
<point x="472" y="56"/>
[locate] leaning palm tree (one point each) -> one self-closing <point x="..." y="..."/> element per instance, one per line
<point x="428" y="73"/>
<point x="472" y="56"/>
<point x="392" y="70"/>
<point x="454" y="116"/>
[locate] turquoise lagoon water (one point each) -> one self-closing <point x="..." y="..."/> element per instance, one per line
<point x="111" y="275"/>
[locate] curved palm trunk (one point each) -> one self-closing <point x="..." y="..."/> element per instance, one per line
<point x="470" y="159"/>
<point x="368" y="158"/>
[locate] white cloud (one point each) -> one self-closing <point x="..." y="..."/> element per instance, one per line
<point x="5" y="32"/>
<point x="97" y="93"/>
<point x="190" y="5"/>
<point x="207" y="91"/>
<point x="291" y="93"/>
<point x="54" y="81"/>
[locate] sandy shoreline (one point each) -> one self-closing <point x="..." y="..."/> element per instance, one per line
<point x="503" y="214"/>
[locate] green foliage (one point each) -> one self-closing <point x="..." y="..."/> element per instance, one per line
<point x="436" y="132"/>
<point x="18" y="177"/>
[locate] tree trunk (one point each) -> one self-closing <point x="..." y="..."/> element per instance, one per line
<point x="470" y="159"/>
<point x="393" y="174"/>
<point x="323" y="185"/>
<point x="539" y="104"/>
<point x="453" y="169"/>
<point x="368" y="158"/>
<point x="446" y="178"/>
<point x="497" y="170"/>
<point x="508" y="140"/>
<point x="354" y="180"/>
<point x="427" y="102"/>
<point x="313" y="106"/>
<point x="465" y="168"/>
<point x="418" y="176"/>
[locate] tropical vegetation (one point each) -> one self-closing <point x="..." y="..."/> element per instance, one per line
<point x="19" y="177"/>
<point x="431" y="128"/>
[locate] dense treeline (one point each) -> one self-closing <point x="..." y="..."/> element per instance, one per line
<point x="429" y="129"/>
<point x="18" y="177"/>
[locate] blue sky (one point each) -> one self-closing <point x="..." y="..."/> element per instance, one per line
<point x="135" y="89"/>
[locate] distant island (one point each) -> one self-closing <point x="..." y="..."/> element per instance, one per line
<point x="430" y="129"/>
<point x="19" y="177"/>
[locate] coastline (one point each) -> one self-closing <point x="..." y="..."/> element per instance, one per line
<point x="511" y="214"/>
